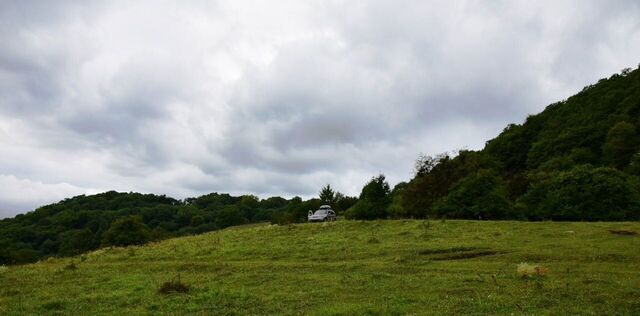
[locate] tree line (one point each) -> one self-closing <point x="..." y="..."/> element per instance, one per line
<point x="85" y="223"/>
<point x="578" y="160"/>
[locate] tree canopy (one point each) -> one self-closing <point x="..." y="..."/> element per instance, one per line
<point x="556" y="165"/>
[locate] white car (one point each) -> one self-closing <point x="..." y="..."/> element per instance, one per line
<point x="323" y="214"/>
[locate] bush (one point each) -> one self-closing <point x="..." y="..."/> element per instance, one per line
<point x="482" y="195"/>
<point x="374" y="200"/>
<point x="127" y="231"/>
<point x="173" y="286"/>
<point x="525" y="270"/>
<point x="584" y="193"/>
<point x="229" y="216"/>
<point x="634" y="165"/>
<point x="365" y="209"/>
<point x="77" y="241"/>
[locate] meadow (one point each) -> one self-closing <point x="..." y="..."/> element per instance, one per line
<point x="386" y="267"/>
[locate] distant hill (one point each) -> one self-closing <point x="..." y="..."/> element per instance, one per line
<point x="577" y="160"/>
<point x="84" y="223"/>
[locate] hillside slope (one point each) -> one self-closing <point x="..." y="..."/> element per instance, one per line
<point x="578" y="125"/>
<point x="347" y="267"/>
<point x="577" y="160"/>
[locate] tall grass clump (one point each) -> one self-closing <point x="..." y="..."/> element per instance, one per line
<point x="173" y="286"/>
<point x="525" y="270"/>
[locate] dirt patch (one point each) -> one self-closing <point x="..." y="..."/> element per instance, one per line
<point x="467" y="255"/>
<point x="457" y="253"/>
<point x="622" y="232"/>
<point x="447" y="250"/>
<point x="173" y="287"/>
<point x="609" y="257"/>
<point x="534" y="257"/>
<point x="373" y="240"/>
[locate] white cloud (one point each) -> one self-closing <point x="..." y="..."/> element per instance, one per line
<point x="19" y="194"/>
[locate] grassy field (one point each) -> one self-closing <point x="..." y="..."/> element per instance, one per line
<point x="346" y="268"/>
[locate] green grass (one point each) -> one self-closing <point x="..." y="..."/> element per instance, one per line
<point x="346" y="268"/>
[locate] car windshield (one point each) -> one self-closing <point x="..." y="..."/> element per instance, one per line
<point x="320" y="212"/>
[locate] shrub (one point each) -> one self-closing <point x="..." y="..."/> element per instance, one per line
<point x="374" y="200"/>
<point x="173" y="286"/>
<point x="229" y="216"/>
<point x="583" y="193"/>
<point x="481" y="195"/>
<point x="634" y="165"/>
<point x="76" y="241"/>
<point x="53" y="306"/>
<point x="70" y="267"/>
<point x="525" y="270"/>
<point x="127" y="231"/>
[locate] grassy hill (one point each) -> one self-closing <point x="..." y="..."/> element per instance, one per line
<point x="347" y="267"/>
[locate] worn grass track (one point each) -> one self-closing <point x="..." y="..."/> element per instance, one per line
<point x="346" y="267"/>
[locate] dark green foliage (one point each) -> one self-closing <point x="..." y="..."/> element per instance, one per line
<point x="75" y="241"/>
<point x="598" y="126"/>
<point x="344" y="202"/>
<point x="376" y="190"/>
<point x="512" y="147"/>
<point x="83" y="223"/>
<point x="327" y="195"/>
<point x="428" y="187"/>
<point x="634" y="165"/>
<point x="126" y="231"/>
<point x="621" y="144"/>
<point x="338" y="201"/>
<point x="296" y="211"/>
<point x="248" y="207"/>
<point x="230" y="216"/>
<point x="482" y="195"/>
<point x="374" y="200"/>
<point x="274" y="202"/>
<point x="585" y="193"/>
<point x="173" y="286"/>
<point x="584" y="120"/>
<point x="396" y="209"/>
<point x="197" y="221"/>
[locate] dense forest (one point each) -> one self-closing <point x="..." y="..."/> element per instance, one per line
<point x="578" y="160"/>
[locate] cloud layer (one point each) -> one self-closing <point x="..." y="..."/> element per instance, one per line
<point x="277" y="99"/>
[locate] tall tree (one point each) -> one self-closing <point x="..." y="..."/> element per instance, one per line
<point x="374" y="200"/>
<point x="327" y="195"/>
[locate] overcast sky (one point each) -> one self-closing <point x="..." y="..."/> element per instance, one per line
<point x="278" y="97"/>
